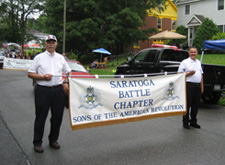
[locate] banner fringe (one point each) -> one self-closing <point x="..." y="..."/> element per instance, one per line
<point x="127" y="120"/>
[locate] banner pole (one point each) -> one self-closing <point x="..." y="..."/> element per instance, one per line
<point x="119" y="76"/>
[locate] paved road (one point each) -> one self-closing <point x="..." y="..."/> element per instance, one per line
<point x="157" y="141"/>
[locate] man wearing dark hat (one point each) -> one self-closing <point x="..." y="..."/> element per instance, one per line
<point x="49" y="93"/>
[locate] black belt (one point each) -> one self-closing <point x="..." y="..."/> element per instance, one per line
<point x="196" y="84"/>
<point x="56" y="86"/>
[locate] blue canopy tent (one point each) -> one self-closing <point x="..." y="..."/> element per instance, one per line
<point x="213" y="45"/>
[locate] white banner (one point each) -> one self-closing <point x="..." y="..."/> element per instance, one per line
<point x="16" y="64"/>
<point x="106" y="101"/>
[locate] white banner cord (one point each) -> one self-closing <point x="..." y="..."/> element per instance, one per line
<point x="118" y="76"/>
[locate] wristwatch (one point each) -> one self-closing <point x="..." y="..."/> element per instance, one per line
<point x="65" y="82"/>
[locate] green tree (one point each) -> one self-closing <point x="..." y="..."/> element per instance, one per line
<point x="205" y="32"/>
<point x="40" y="23"/>
<point x="15" y="15"/>
<point x="9" y="27"/>
<point x="3" y="26"/>
<point x="184" y="31"/>
<point x="99" y="23"/>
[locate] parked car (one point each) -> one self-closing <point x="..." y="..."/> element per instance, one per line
<point x="78" y="70"/>
<point x="162" y="59"/>
<point x="1" y="58"/>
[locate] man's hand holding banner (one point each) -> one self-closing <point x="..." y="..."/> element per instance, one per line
<point x="106" y="101"/>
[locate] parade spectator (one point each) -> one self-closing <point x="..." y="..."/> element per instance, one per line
<point x="18" y="55"/>
<point x="7" y="54"/>
<point x="24" y="55"/>
<point x="103" y="64"/>
<point x="95" y="64"/>
<point x="30" y="56"/>
<point x="10" y="55"/>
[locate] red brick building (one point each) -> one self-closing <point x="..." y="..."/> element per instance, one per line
<point x="166" y="20"/>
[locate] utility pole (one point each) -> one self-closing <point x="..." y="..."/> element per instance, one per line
<point x="64" y="28"/>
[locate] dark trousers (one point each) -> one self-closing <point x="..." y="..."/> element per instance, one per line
<point x="193" y="100"/>
<point x="45" y="99"/>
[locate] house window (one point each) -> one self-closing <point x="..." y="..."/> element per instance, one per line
<point x="220" y="4"/>
<point x="173" y="25"/>
<point x="187" y="9"/>
<point x="158" y="42"/>
<point x="220" y="27"/>
<point x="137" y="44"/>
<point x="159" y="23"/>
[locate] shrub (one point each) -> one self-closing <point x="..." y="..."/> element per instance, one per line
<point x="218" y="36"/>
<point x="205" y="32"/>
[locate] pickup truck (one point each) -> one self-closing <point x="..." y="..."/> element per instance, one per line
<point x="160" y="60"/>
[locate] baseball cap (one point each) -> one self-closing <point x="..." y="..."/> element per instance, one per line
<point x="51" y="37"/>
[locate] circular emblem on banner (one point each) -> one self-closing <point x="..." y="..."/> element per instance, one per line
<point x="90" y="99"/>
<point x="170" y="92"/>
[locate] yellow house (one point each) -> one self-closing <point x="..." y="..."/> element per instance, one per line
<point x="161" y="20"/>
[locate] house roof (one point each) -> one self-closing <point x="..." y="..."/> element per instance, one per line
<point x="169" y="12"/>
<point x="37" y="33"/>
<point x="172" y="4"/>
<point x="200" y="17"/>
<point x="195" y="20"/>
<point x="179" y="2"/>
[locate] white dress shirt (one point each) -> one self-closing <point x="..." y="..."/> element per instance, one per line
<point x="189" y="65"/>
<point x="45" y="63"/>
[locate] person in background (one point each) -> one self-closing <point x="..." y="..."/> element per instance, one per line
<point x="95" y="64"/>
<point x="103" y="64"/>
<point x="24" y="55"/>
<point x="18" y="55"/>
<point x="10" y="55"/>
<point x="30" y="57"/>
<point x="194" y="73"/>
<point x="49" y="92"/>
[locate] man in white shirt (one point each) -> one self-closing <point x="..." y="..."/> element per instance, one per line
<point x="194" y="73"/>
<point x="47" y="69"/>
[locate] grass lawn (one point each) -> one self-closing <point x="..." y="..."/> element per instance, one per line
<point x="218" y="59"/>
<point x="105" y="71"/>
<point x="221" y="101"/>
